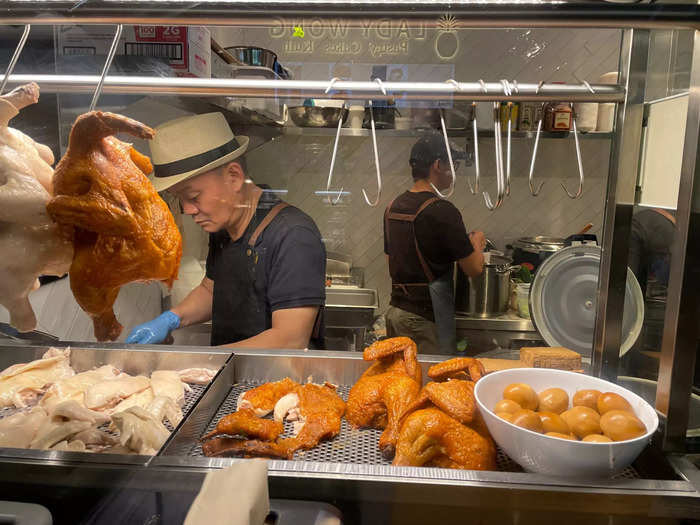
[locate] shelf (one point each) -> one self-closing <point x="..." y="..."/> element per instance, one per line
<point x="485" y="133"/>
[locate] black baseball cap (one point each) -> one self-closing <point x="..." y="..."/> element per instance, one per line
<point x="431" y="147"/>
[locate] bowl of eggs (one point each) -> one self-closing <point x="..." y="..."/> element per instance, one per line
<point x="564" y="423"/>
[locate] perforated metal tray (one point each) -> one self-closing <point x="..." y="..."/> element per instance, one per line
<point x="351" y="446"/>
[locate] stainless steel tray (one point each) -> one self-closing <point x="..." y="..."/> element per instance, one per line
<point x="352" y="452"/>
<point x="135" y="361"/>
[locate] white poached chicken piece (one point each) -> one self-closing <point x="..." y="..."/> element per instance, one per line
<point x="22" y="384"/>
<point x="30" y="242"/>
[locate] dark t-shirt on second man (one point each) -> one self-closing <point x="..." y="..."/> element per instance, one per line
<point x="442" y="239"/>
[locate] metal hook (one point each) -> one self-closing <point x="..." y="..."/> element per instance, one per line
<point x="483" y="86"/>
<point x="475" y="130"/>
<point x="499" y="161"/>
<point x="15" y="56"/>
<point x="539" y="85"/>
<point x="508" y="144"/>
<point x="108" y="63"/>
<point x="449" y="158"/>
<point x="530" y="179"/>
<point x="330" y="172"/>
<point x="376" y="159"/>
<point x="381" y="85"/>
<point x="580" y="166"/>
<point x="590" y="88"/>
<point x="330" y="84"/>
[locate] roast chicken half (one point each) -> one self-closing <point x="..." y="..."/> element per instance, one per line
<point x="122" y="230"/>
<point x="30" y="242"/>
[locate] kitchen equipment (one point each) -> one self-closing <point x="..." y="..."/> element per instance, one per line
<point x="317" y="116"/>
<point x="258" y="56"/>
<point x="563" y="300"/>
<point x="225" y="55"/>
<point x="355" y="116"/>
<point x="536" y="249"/>
<point x="384" y="115"/>
<point x="522" y="299"/>
<point x="559" y="457"/>
<point x="487" y="294"/>
<point x="32" y="337"/>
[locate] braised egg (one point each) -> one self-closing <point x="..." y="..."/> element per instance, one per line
<point x="522" y="394"/>
<point x="612" y="401"/>
<point x="586" y="398"/>
<point x="552" y="422"/>
<point x="506" y="405"/>
<point x="582" y="421"/>
<point x="559" y="435"/>
<point x="620" y="425"/>
<point x="553" y="400"/>
<point x="597" y="438"/>
<point x="527" y="419"/>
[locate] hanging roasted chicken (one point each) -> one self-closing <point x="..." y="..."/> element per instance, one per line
<point x="122" y="230"/>
<point x="30" y="242"/>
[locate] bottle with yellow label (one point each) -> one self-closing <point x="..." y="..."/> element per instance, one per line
<point x="514" y="108"/>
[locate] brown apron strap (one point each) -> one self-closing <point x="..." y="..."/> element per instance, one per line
<point x="266" y="222"/>
<point x="428" y="272"/>
<point x="406" y="217"/>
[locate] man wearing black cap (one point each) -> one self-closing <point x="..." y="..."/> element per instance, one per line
<point x="423" y="236"/>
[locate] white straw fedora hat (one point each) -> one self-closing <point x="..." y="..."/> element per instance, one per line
<point x="189" y="146"/>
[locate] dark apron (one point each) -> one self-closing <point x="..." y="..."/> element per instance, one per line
<point x="239" y="308"/>
<point x="441" y="289"/>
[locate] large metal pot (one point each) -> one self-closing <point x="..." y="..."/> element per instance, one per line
<point x="487" y="294"/>
<point x="535" y="250"/>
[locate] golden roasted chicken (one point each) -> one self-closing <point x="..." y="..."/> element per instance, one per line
<point x="122" y="230"/>
<point x="262" y="399"/>
<point x="443" y="427"/>
<point x="316" y="411"/>
<point x="386" y="389"/>
<point x="245" y="423"/>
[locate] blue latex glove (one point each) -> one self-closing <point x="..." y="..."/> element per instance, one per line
<point x="156" y="330"/>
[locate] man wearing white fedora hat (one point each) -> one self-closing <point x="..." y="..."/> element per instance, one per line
<point x="265" y="274"/>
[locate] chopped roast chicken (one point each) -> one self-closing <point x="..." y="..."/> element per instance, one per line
<point x="262" y="399"/>
<point x="197" y="376"/>
<point x="21" y="384"/>
<point x="443" y="427"/>
<point x="74" y="388"/>
<point x="316" y="411"/>
<point x="168" y="383"/>
<point x="31" y="244"/>
<point x="140" y="431"/>
<point x="245" y="423"/>
<point x="18" y="430"/>
<point x="107" y="394"/>
<point x="122" y="230"/>
<point x="386" y="389"/>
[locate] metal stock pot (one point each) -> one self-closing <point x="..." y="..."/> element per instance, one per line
<point x="487" y="294"/>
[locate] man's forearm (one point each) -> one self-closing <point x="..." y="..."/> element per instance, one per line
<point x="196" y="307"/>
<point x="272" y="338"/>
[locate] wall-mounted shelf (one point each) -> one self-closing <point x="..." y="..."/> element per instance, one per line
<point x="485" y="133"/>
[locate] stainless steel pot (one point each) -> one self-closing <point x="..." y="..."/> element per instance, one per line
<point x="486" y="295"/>
<point x="535" y="250"/>
<point x="317" y="116"/>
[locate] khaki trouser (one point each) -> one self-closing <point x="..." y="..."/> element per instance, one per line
<point x="402" y="323"/>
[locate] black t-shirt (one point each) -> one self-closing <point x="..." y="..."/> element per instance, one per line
<point x="650" y="251"/>
<point x="442" y="239"/>
<point x="294" y="260"/>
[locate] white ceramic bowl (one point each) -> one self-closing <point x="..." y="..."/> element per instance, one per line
<point x="559" y="457"/>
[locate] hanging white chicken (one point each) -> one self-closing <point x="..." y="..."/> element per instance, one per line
<point x="30" y="242"/>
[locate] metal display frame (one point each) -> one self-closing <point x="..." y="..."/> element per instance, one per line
<point x="680" y="340"/>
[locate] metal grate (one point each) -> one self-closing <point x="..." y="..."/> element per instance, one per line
<point x="356" y="446"/>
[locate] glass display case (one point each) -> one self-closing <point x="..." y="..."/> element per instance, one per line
<point x="572" y="131"/>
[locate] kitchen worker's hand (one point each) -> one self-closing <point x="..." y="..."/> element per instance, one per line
<point x="156" y="330"/>
<point x="478" y="240"/>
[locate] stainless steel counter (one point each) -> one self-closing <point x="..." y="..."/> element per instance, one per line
<point x="657" y="486"/>
<point x="509" y="321"/>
